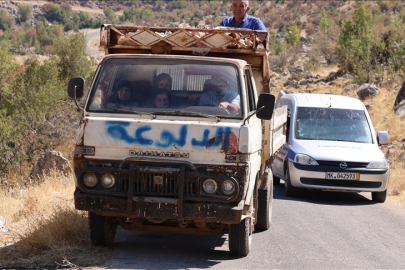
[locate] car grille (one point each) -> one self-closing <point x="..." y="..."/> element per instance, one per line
<point x="168" y="184"/>
<point x="340" y="183"/>
<point x="336" y="164"/>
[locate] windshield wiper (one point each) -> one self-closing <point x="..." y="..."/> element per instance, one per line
<point x="136" y="112"/>
<point x="188" y="113"/>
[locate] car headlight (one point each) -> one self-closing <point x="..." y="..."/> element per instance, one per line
<point x="90" y="180"/>
<point x="378" y="164"/>
<point x="228" y="187"/>
<point x="304" y="160"/>
<point x="210" y="186"/>
<point x="107" y="180"/>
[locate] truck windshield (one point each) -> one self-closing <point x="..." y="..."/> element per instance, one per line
<point x="166" y="86"/>
<point x="332" y="125"/>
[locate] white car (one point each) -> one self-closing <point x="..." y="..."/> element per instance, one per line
<point x="331" y="145"/>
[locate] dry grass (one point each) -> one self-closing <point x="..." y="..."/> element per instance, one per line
<point x="45" y="229"/>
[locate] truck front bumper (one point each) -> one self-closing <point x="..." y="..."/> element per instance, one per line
<point x="161" y="208"/>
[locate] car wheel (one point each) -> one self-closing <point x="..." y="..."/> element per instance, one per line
<point x="240" y="237"/>
<point x="379" y="196"/>
<point x="265" y="205"/>
<point x="289" y="190"/>
<point x="102" y="229"/>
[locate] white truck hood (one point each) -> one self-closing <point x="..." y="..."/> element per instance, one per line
<point x="338" y="151"/>
<point x="197" y="141"/>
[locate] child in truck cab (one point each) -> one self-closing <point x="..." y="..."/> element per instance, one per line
<point x="221" y="96"/>
<point x="161" y="99"/>
<point x="163" y="81"/>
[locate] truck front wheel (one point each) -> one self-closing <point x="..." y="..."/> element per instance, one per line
<point x="265" y="204"/>
<point x="240" y="237"/>
<point x="102" y="229"/>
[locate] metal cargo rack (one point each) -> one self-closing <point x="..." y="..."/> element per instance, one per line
<point x="198" y="41"/>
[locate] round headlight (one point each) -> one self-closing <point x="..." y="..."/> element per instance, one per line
<point x="210" y="186"/>
<point x="90" y="180"/>
<point x="228" y="187"/>
<point x="107" y="180"/>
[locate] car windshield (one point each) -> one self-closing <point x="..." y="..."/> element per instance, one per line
<point x="332" y="125"/>
<point x="166" y="86"/>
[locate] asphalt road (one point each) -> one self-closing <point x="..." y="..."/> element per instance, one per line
<point x="316" y="230"/>
<point x="89" y="36"/>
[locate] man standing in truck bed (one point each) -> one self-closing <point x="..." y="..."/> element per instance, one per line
<point x="240" y="18"/>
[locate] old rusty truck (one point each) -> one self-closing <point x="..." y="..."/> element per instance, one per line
<point x="178" y="133"/>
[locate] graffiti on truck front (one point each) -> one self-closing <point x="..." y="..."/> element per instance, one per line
<point x="223" y="137"/>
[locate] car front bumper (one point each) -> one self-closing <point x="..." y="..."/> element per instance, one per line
<point x="373" y="181"/>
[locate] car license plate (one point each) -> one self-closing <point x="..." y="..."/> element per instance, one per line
<point x="343" y="176"/>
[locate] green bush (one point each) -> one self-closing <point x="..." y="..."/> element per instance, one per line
<point x="24" y="13"/>
<point x="293" y="35"/>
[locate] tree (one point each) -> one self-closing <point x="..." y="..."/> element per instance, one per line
<point x="354" y="44"/>
<point x="71" y="57"/>
<point x="110" y="14"/>
<point x="293" y="35"/>
<point x="24" y="13"/>
<point x="324" y="23"/>
<point x="6" y="21"/>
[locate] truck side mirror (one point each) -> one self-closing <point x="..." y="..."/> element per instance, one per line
<point x="266" y="100"/>
<point x="76" y="84"/>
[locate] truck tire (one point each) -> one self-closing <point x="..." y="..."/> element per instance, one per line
<point x="289" y="190"/>
<point x="102" y="230"/>
<point x="379" y="196"/>
<point x="276" y="180"/>
<point x="265" y="205"/>
<point x="240" y="237"/>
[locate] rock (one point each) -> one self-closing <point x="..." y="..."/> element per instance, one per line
<point x="274" y="75"/>
<point x="296" y="69"/>
<point x="400" y="95"/>
<point x="390" y="152"/>
<point x="285" y="73"/>
<point x="317" y="76"/>
<point x="293" y="83"/>
<point x="351" y="87"/>
<point x="367" y="90"/>
<point x="3" y="227"/>
<point x="272" y="83"/>
<point x="401" y="155"/>
<point x="400" y="109"/>
<point x="403" y="139"/>
<point x="51" y="160"/>
<point x="345" y="76"/>
<point x="309" y="76"/>
<point x="306" y="82"/>
<point x="368" y="106"/>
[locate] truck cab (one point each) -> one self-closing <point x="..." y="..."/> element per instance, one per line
<point x="178" y="134"/>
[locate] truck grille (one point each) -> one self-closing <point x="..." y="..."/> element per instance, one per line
<point x="152" y="181"/>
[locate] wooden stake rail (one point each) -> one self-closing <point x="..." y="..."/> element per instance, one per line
<point x="199" y="41"/>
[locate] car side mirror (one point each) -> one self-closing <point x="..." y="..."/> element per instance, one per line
<point x="382" y="137"/>
<point x="266" y="100"/>
<point x="76" y="84"/>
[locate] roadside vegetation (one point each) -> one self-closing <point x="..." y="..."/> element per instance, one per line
<point x="365" y="40"/>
